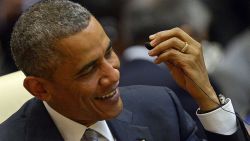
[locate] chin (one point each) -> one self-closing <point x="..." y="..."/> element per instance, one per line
<point x="115" y="112"/>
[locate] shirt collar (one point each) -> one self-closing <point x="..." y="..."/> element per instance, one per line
<point x="73" y="131"/>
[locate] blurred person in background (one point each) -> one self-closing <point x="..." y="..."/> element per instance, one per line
<point x="141" y="18"/>
<point x="230" y="22"/>
<point x="9" y="11"/>
<point x="108" y="13"/>
<point x="228" y="19"/>
<point x="232" y="73"/>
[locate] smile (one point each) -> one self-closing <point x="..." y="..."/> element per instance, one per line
<point x="111" y="94"/>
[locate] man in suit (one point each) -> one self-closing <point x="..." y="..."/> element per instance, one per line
<point x="73" y="73"/>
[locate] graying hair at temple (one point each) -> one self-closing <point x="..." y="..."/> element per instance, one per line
<point x="35" y="33"/>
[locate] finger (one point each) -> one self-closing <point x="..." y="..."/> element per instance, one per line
<point x="177" y="74"/>
<point x="175" y="32"/>
<point x="151" y="37"/>
<point x="174" y="57"/>
<point x="174" y="43"/>
<point x="173" y="69"/>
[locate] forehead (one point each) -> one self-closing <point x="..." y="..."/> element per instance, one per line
<point x="81" y="48"/>
<point x="88" y="39"/>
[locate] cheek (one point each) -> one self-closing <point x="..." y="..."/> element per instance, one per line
<point x="85" y="89"/>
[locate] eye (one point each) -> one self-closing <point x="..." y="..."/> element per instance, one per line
<point x="109" y="53"/>
<point x="89" y="70"/>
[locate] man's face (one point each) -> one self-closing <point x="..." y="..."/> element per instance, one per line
<point x="84" y="85"/>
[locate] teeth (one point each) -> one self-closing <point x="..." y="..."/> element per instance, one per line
<point x="107" y="96"/>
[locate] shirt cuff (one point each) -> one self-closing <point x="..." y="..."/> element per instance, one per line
<point x="221" y="121"/>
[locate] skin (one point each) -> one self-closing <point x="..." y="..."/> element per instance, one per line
<point x="188" y="68"/>
<point x="73" y="90"/>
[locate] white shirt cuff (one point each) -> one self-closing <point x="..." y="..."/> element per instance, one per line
<point x="220" y="121"/>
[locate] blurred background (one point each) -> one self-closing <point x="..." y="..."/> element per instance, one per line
<point x="222" y="26"/>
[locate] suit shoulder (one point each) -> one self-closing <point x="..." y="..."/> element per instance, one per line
<point x="149" y="98"/>
<point x="13" y="128"/>
<point x="158" y="108"/>
<point x="144" y="92"/>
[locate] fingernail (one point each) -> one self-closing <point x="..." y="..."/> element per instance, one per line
<point x="151" y="37"/>
<point x="152" y="43"/>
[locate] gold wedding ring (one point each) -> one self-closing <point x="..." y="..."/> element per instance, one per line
<point x="183" y="50"/>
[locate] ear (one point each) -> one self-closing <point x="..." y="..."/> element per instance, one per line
<point x="37" y="87"/>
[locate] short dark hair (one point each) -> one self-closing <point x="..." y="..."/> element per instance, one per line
<point x="36" y="31"/>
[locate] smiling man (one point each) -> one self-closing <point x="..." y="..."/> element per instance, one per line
<point x="73" y="73"/>
<point x="86" y="80"/>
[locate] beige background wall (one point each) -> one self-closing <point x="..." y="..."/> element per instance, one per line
<point x="12" y="94"/>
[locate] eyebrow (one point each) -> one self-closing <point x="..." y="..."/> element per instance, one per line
<point x="109" y="47"/>
<point x="92" y="63"/>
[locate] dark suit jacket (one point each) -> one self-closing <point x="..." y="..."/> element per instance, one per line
<point x="150" y="113"/>
<point x="143" y="72"/>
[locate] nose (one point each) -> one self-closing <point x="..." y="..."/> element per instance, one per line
<point x="110" y="73"/>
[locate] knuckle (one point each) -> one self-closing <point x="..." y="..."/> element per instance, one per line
<point x="195" y="59"/>
<point x="198" y="50"/>
<point x="159" y="35"/>
<point x="199" y="46"/>
<point x="174" y="40"/>
<point x="173" y="53"/>
<point x="196" y="53"/>
<point x="177" y="30"/>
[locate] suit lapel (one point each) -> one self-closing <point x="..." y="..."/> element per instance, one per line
<point x="40" y="126"/>
<point x="124" y="130"/>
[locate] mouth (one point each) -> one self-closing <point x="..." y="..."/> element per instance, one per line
<point x="107" y="96"/>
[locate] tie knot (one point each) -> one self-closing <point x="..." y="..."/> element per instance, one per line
<point x="90" y="135"/>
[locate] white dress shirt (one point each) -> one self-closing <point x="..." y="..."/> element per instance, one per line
<point x="218" y="121"/>
<point x="221" y="120"/>
<point x="73" y="131"/>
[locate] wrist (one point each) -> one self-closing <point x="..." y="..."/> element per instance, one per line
<point x="206" y="107"/>
<point x="208" y="102"/>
